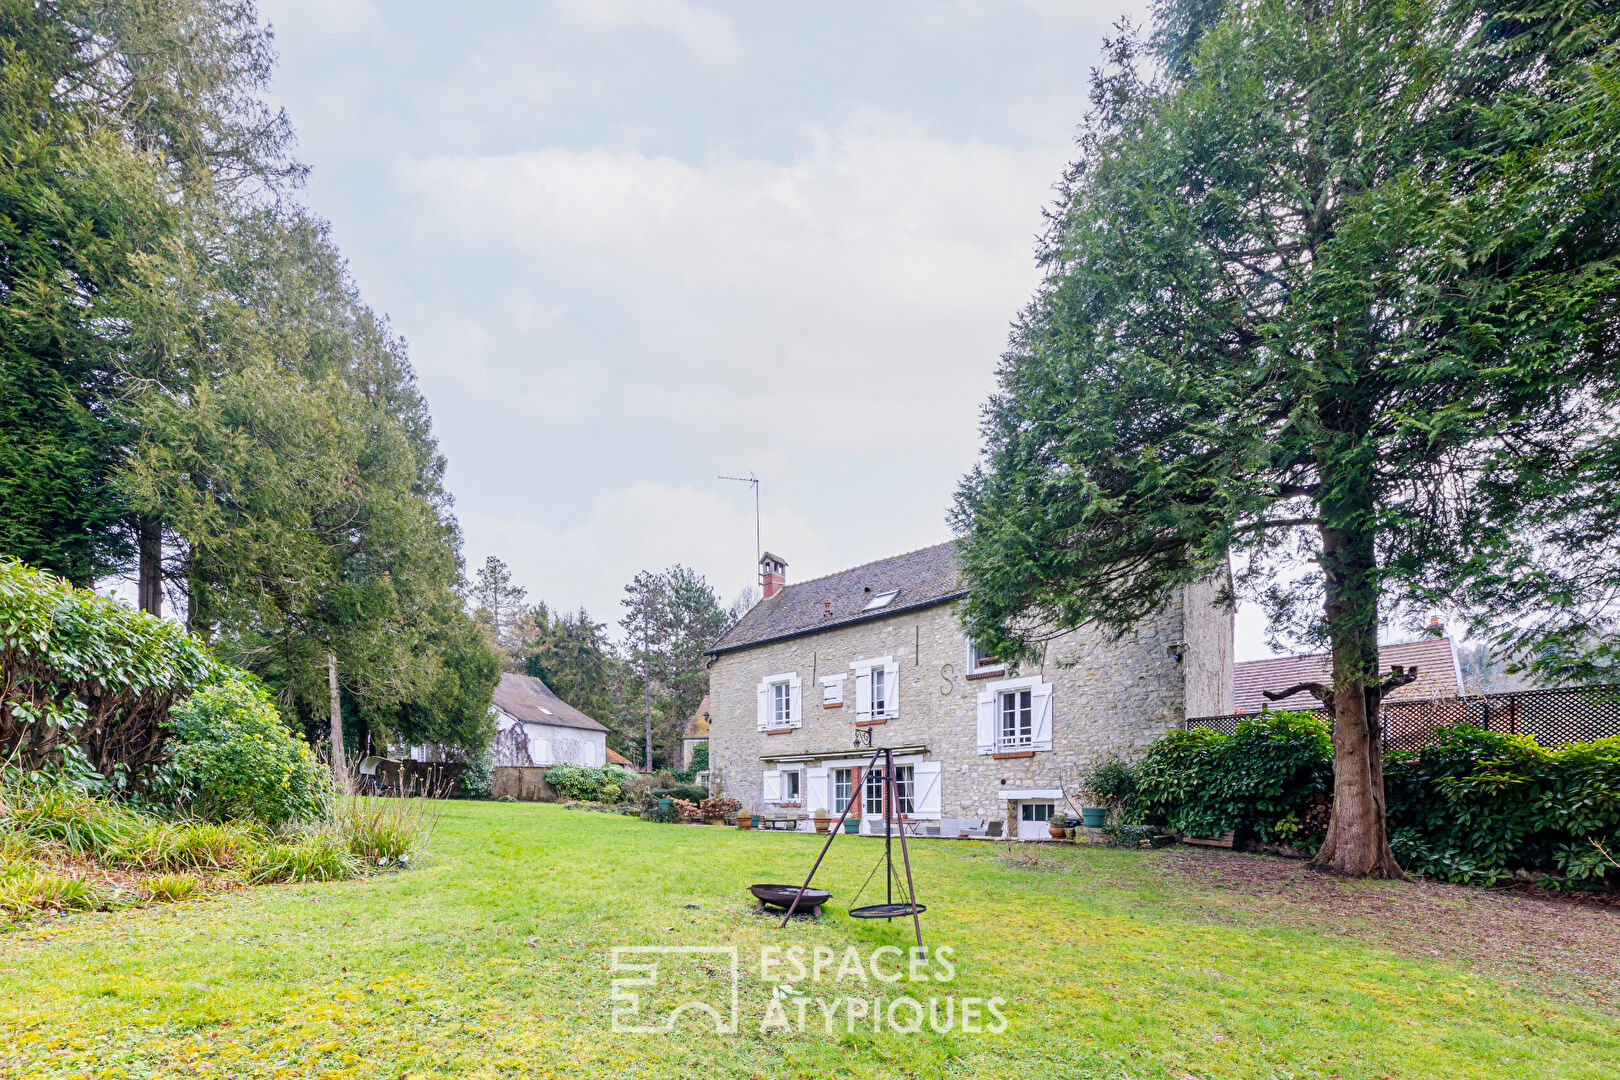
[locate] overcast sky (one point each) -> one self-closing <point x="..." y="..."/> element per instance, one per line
<point x="637" y="244"/>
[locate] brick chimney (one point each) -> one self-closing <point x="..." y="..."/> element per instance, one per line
<point x="772" y="574"/>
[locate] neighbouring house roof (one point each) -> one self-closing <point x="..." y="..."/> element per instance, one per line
<point x="918" y="579"/>
<point x="698" y="726"/>
<point x="1435" y="657"/>
<point x="616" y="758"/>
<point x="526" y="698"/>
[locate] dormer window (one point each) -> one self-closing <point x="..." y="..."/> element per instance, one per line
<point x="882" y="599"/>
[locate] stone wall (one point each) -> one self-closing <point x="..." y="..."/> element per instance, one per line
<point x="1208" y="621"/>
<point x="524" y="783"/>
<point x="1109" y="698"/>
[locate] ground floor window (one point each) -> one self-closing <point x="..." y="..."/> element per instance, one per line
<point x="790" y="785"/>
<point x="1035" y="811"/>
<point x="874" y="794"/>
<point x="905" y="783"/>
<point x="843" y="788"/>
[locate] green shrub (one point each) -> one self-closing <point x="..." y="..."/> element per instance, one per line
<point x="86" y="826"/>
<point x="36" y="889"/>
<point x="690" y="792"/>
<point x="1262" y="780"/>
<point x="316" y="855"/>
<point x="476" y="779"/>
<point x="607" y="783"/>
<point x="86" y="671"/>
<point x="231" y="756"/>
<point x="384" y="832"/>
<point x="170" y="886"/>
<point x="1113" y="782"/>
<point x="182" y="845"/>
<point x="1477" y="806"/>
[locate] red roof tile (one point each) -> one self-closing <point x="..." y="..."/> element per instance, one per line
<point x="1435" y="658"/>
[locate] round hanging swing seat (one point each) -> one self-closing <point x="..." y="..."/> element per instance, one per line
<point x="886" y="911"/>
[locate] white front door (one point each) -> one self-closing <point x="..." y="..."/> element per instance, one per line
<point x="1032" y="819"/>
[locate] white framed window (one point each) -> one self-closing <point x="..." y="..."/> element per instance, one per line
<point x="1035" y="811"/>
<point x="792" y="786"/>
<point x="843" y="788"/>
<point x="780" y="704"/>
<point x="1015" y="716"/>
<point x="882" y="599"/>
<point x="981" y="663"/>
<point x="874" y="794"/>
<point x="877" y="689"/>
<point x="1016" y="713"/>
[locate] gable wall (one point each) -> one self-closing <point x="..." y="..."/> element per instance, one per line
<point x="1115" y="699"/>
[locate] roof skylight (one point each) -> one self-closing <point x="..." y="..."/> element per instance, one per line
<point x="547" y="711"/>
<point x="882" y="599"/>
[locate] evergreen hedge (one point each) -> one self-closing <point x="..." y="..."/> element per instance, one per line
<point x="1478" y="806"/>
<point x="84" y="671"/>
<point x="1474" y="806"/>
<point x="1263" y="780"/>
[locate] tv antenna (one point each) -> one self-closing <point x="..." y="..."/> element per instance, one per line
<point x="759" y="552"/>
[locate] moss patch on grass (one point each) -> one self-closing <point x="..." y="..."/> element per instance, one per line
<point x="493" y="961"/>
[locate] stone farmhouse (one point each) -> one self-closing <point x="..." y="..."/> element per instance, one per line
<point x="820" y="673"/>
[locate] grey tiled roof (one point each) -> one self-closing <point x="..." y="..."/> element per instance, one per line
<point x="923" y="578"/>
<point x="523" y="697"/>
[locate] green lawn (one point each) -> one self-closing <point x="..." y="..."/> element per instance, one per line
<point x="492" y="960"/>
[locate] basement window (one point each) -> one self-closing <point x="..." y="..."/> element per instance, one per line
<point x="882" y="599"/>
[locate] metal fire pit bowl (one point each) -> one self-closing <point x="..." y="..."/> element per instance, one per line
<point x="781" y="896"/>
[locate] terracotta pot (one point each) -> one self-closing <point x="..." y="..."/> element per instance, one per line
<point x="745" y="820"/>
<point x="1055" y="829"/>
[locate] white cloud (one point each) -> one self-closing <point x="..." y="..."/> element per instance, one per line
<point x="643" y="527"/>
<point x="708" y="34"/>
<point x="318" y="24"/>
<point x="856" y="298"/>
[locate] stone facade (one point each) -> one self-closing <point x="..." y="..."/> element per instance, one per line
<point x="1108" y="698"/>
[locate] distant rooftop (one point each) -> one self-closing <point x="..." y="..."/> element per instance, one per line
<point x="915" y="579"/>
<point x="523" y="697"/>
<point x="1435" y="658"/>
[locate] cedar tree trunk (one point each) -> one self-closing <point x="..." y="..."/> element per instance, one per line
<point x="149" y="588"/>
<point x="1357" y="841"/>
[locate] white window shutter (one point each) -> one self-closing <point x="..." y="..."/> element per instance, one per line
<point x="987" y="722"/>
<point x="891" y="690"/>
<point x="926" y="778"/>
<point x="832" y="691"/>
<point x="795" y="702"/>
<point x="818" y="789"/>
<point x="1041" y="706"/>
<point x="773" y="786"/>
<point x="763" y="716"/>
<point x="863" y="694"/>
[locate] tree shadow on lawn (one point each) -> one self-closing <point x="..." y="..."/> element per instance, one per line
<point x="1565" y="945"/>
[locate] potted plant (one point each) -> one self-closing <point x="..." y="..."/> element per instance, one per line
<point x="745" y="820"/>
<point x="1109" y="786"/>
<point x="1055" y="828"/>
<point x="823" y="820"/>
